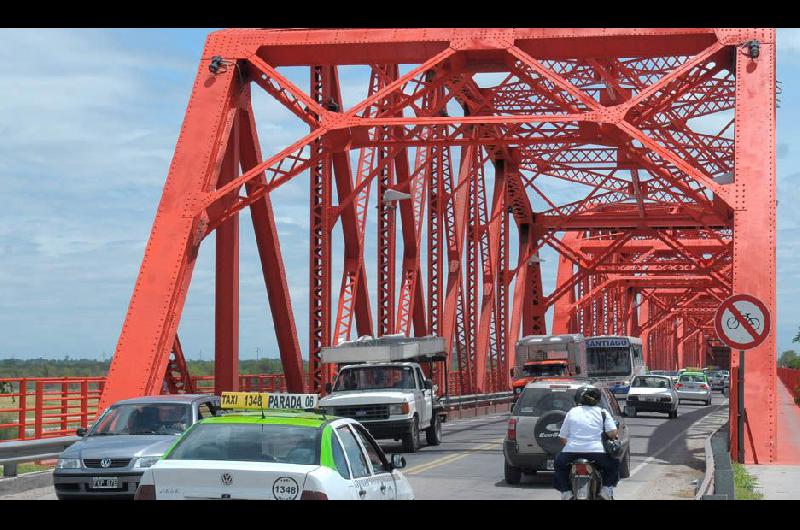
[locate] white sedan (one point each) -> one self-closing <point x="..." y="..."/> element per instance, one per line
<point x="280" y="455"/>
<point x="652" y="393"/>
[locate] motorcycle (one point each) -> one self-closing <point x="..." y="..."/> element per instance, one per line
<point x="585" y="479"/>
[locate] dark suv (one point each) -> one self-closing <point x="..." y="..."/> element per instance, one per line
<point x="532" y="443"/>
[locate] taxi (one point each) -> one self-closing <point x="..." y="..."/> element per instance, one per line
<point x="279" y="447"/>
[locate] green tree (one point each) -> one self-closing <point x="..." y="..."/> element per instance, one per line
<point x="787" y="358"/>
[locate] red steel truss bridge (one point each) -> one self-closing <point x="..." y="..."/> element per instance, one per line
<point x="644" y="157"/>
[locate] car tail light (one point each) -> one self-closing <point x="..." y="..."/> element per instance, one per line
<point x="581" y="470"/>
<point x="309" y="495"/>
<point x="512" y="430"/>
<point x="678" y="385"/>
<point x="703" y="386"/>
<point x="145" y="492"/>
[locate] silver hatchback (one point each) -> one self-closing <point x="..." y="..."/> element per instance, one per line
<point x="129" y="437"/>
<point x="532" y="443"/>
<point x="693" y="386"/>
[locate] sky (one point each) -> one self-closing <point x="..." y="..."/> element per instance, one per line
<point x="89" y="121"/>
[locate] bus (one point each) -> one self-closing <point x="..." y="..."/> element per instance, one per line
<point x="615" y="360"/>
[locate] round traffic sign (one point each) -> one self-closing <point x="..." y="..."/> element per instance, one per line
<point x="742" y="321"/>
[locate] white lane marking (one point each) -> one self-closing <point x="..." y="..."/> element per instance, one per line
<point x="669" y="444"/>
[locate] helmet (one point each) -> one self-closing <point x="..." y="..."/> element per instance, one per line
<point x="588" y="396"/>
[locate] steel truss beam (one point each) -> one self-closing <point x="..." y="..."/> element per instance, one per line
<point x="591" y="140"/>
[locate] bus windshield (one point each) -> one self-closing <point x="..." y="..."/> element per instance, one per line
<point x="543" y="370"/>
<point x="603" y="362"/>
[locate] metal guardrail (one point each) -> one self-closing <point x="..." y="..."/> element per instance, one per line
<point x="474" y="400"/>
<point x="13" y="453"/>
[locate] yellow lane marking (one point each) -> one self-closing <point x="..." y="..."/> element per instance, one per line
<point x="449" y="458"/>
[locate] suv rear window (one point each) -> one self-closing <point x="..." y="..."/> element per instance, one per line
<point x="537" y="401"/>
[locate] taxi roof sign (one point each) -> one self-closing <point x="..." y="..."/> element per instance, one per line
<point x="266" y="401"/>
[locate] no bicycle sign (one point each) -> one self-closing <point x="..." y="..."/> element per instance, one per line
<point x="742" y="321"/>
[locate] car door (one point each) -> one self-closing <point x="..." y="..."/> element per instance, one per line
<point x="383" y="479"/>
<point x="419" y="400"/>
<point x="343" y="467"/>
<point x="609" y="402"/>
<point x="427" y="404"/>
<point x="361" y="475"/>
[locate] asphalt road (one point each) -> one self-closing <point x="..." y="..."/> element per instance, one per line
<point x="667" y="455"/>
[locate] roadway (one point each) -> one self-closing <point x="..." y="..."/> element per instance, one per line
<point x="667" y="456"/>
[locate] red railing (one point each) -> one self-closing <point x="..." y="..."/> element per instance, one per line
<point x="791" y="378"/>
<point x="43" y="407"/>
<point x="247" y="383"/>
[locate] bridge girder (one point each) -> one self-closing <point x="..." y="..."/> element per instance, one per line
<point x="615" y="147"/>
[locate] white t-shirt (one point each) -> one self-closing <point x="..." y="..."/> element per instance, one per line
<point x="583" y="427"/>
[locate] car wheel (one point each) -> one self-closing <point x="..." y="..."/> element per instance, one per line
<point x="411" y="438"/>
<point x="433" y="434"/>
<point x="708" y="403"/>
<point x="513" y="475"/>
<point x="625" y="466"/>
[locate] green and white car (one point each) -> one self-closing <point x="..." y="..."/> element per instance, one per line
<point x="276" y="455"/>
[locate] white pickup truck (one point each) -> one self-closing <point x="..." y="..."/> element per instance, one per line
<point x="386" y="391"/>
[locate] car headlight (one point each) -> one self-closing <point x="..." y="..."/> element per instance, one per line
<point x="398" y="408"/>
<point x="68" y="463"/>
<point x="146" y="461"/>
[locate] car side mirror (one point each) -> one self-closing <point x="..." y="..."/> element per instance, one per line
<point x="82" y="432"/>
<point x="398" y="462"/>
<point x="328" y="388"/>
<point x="428" y="384"/>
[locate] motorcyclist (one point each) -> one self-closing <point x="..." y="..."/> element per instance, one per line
<point x="581" y="436"/>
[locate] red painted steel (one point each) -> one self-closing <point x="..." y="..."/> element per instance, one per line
<point x="791" y="378"/>
<point x="612" y="147"/>
<point x="45" y="407"/>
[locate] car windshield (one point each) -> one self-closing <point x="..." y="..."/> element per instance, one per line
<point x="650" y="382"/>
<point x="608" y="361"/>
<point x="374" y="378"/>
<point x="693" y="378"/>
<point x="543" y="370"/>
<point x="288" y="444"/>
<point x="537" y="401"/>
<point x="144" y="418"/>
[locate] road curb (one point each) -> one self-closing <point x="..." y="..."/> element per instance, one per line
<point x="28" y="481"/>
<point x="708" y="478"/>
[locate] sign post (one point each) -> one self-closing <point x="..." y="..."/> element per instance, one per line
<point x="742" y="322"/>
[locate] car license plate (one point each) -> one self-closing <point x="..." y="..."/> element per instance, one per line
<point x="105" y="482"/>
<point x="550" y="464"/>
<point x="650" y="398"/>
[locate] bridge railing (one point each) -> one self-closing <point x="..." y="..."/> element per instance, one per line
<point x="44" y="407"/>
<point x="33" y="408"/>
<point x="791" y="378"/>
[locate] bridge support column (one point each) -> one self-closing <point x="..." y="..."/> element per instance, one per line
<point x="754" y="229"/>
<point x="226" y="321"/>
